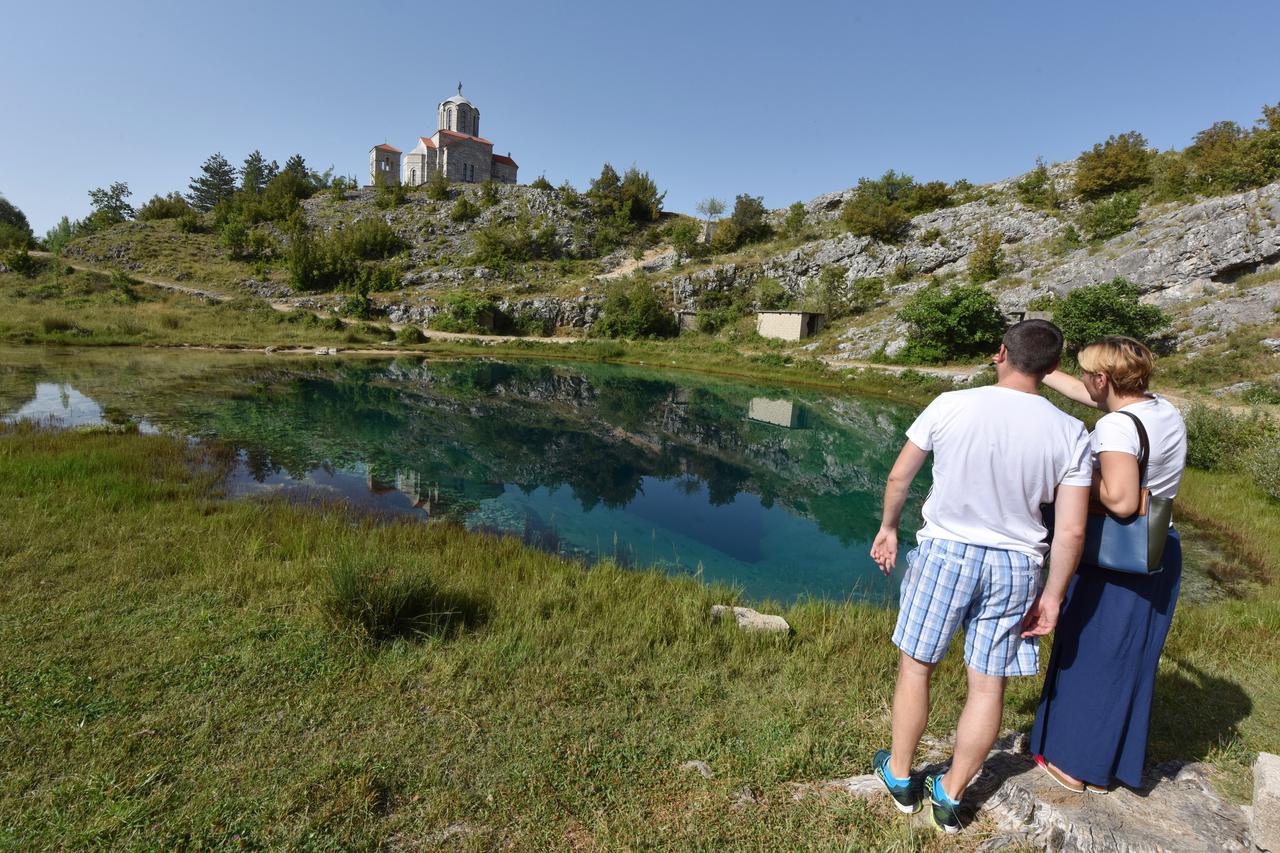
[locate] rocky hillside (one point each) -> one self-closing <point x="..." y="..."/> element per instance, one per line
<point x="1214" y="264"/>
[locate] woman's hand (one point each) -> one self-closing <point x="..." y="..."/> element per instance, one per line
<point x="1070" y="387"/>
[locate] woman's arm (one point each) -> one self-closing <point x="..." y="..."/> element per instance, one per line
<point x="1117" y="483"/>
<point x="1069" y="387"/>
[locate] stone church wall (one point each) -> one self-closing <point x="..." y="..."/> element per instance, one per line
<point x="462" y="153"/>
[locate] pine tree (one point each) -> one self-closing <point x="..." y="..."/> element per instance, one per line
<point x="253" y="174"/>
<point x="270" y="171"/>
<point x="298" y="166"/>
<point x="217" y="180"/>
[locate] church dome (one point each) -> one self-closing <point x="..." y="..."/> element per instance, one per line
<point x="459" y="115"/>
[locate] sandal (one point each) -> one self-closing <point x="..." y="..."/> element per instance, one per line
<point x="1055" y="775"/>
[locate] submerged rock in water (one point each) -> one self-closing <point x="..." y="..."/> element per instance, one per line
<point x="751" y="620"/>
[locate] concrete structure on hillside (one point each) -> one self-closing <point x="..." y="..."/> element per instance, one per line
<point x="789" y="325"/>
<point x="456" y="150"/>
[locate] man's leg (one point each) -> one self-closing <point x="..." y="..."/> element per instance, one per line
<point x="976" y="733"/>
<point x="910" y="712"/>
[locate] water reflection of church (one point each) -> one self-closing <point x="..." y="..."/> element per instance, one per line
<point x="409" y="484"/>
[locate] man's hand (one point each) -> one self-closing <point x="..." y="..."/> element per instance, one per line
<point x="1042" y="617"/>
<point x="885" y="549"/>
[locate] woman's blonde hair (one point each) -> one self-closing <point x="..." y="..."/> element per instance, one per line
<point x="1127" y="362"/>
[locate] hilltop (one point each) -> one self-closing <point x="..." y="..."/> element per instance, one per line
<point x="1195" y="233"/>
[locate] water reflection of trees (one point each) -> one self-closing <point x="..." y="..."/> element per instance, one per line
<point x="598" y="430"/>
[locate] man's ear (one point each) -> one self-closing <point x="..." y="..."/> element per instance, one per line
<point x="1001" y="356"/>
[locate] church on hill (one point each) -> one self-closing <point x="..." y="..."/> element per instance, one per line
<point x="456" y="150"/>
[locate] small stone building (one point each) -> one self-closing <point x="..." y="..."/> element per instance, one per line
<point x="456" y="150"/>
<point x="789" y="325"/>
<point x="384" y="166"/>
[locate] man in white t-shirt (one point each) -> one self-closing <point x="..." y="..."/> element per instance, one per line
<point x="999" y="453"/>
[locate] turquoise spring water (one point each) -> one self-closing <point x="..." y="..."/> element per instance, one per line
<point x="774" y="490"/>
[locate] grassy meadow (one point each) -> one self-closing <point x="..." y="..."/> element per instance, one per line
<point x="179" y="670"/>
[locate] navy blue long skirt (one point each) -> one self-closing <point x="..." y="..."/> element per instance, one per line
<point x="1095" y="707"/>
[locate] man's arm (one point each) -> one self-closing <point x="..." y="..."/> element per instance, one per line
<point x="1070" y="511"/>
<point x="885" y="549"/>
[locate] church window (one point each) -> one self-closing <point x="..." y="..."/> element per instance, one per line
<point x="413" y="176"/>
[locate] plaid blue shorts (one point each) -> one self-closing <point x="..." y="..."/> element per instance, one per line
<point x="986" y="590"/>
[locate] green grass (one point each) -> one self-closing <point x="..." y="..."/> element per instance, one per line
<point x="181" y="670"/>
<point x="62" y="306"/>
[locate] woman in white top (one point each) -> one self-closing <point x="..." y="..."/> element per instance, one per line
<point x="1095" y="707"/>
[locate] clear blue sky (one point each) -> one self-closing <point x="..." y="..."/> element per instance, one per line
<point x="784" y="100"/>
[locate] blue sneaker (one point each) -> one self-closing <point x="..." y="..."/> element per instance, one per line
<point x="904" y="798"/>
<point x="944" y="808"/>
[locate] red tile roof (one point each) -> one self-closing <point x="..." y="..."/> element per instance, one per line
<point x="386" y="147"/>
<point x="498" y="158"/>
<point x="426" y="140"/>
<point x="463" y="136"/>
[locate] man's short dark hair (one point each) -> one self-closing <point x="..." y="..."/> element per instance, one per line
<point x="1034" y="346"/>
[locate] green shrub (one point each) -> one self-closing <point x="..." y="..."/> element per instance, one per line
<point x="1263" y="464"/>
<point x="489" y="195"/>
<point x="171" y="206"/>
<point x="466" y="312"/>
<point x="944" y="325"/>
<point x="793" y="225"/>
<point x="500" y="245"/>
<point x="770" y="295"/>
<point x="930" y="236"/>
<point x="827" y="293"/>
<point x="1067" y="240"/>
<point x="463" y="210"/>
<point x="749" y="219"/>
<point x="1218" y="159"/>
<point x="683" y="234"/>
<point x="632" y="309"/>
<point x="1109" y="217"/>
<point x="883" y="208"/>
<point x="232" y="237"/>
<point x="389" y="196"/>
<point x="541" y="183"/>
<point x="340" y="260"/>
<point x="986" y="260"/>
<point x="630" y="200"/>
<point x="357" y="304"/>
<point x="437" y="187"/>
<point x="1112" y="308"/>
<point x="1121" y="163"/>
<point x="922" y="198"/>
<point x="189" y="222"/>
<point x="409" y="335"/>
<point x="20" y="262"/>
<point x="874" y="218"/>
<point x="369" y="239"/>
<point x="1037" y="189"/>
<point x="867" y="291"/>
<point x="1219" y="439"/>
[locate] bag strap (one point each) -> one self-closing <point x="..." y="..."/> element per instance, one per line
<point x="1145" y="444"/>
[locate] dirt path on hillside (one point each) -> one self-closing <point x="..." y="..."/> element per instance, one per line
<point x="290" y="305"/>
<point x="961" y="375"/>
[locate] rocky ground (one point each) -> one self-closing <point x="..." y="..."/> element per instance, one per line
<point x="1213" y="264"/>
